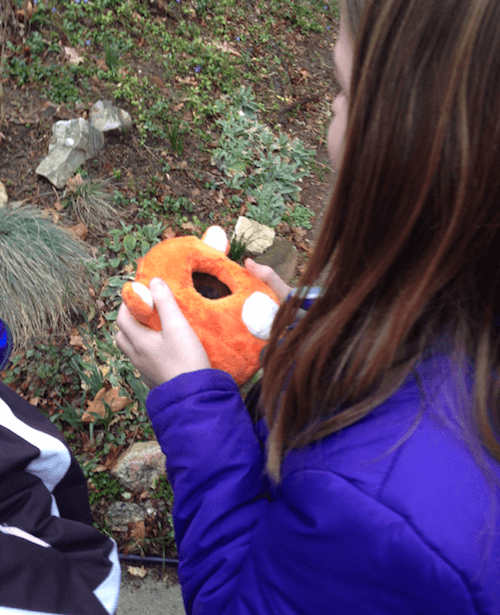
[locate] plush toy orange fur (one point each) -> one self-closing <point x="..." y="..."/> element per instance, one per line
<point x="232" y="328"/>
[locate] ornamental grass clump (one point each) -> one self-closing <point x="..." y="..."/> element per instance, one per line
<point x="43" y="279"/>
<point x="91" y="204"/>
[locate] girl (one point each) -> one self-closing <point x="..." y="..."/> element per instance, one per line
<point x="370" y="485"/>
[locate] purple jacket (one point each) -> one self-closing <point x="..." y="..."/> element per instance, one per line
<point x="358" y="526"/>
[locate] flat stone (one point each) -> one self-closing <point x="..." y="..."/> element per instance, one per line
<point x="105" y="117"/>
<point x="138" y="468"/>
<point x="282" y="256"/>
<point x="257" y="237"/>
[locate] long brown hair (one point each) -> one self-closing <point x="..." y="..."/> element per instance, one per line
<point x="411" y="240"/>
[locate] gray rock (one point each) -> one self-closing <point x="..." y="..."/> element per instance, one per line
<point x="140" y="466"/>
<point x="120" y="514"/>
<point x="105" y="117"/>
<point x="72" y="143"/>
<point x="282" y="256"/>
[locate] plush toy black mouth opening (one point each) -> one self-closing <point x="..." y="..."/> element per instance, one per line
<point x="209" y="286"/>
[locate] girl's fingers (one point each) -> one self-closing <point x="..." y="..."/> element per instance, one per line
<point x="266" y="274"/>
<point x="161" y="355"/>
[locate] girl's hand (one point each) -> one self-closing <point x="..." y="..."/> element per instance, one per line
<point x="161" y="355"/>
<point x="266" y="274"/>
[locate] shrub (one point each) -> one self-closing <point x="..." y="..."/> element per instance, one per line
<point x="42" y="275"/>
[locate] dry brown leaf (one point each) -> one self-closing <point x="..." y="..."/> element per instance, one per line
<point x="138" y="530"/>
<point x="76" y="341"/>
<point x="111" y="398"/>
<point x="137" y="572"/>
<point x="102" y="65"/>
<point x="158" y="81"/>
<point x="29" y="12"/>
<point x="100" y="468"/>
<point x="73" y="183"/>
<point x="168" y="233"/>
<point x="34" y="401"/>
<point x="72" y="56"/>
<point x="80" y="230"/>
<point x="189" y="226"/>
<point x="188" y="80"/>
<point x="111" y="459"/>
<point x="226" y="48"/>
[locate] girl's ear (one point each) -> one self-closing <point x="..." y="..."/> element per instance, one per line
<point x="215" y="237"/>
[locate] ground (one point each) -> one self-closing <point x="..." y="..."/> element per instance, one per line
<point x="297" y="96"/>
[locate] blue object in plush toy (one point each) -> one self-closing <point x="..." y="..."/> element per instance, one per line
<point x="5" y="344"/>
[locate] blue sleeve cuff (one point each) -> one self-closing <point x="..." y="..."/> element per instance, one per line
<point x="310" y="297"/>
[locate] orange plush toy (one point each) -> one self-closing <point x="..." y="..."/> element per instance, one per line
<point x="230" y="310"/>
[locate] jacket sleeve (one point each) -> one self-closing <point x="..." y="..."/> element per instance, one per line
<point x="215" y="466"/>
<point x="51" y="558"/>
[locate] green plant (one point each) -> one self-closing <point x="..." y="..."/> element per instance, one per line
<point x="105" y="487"/>
<point x="300" y="216"/>
<point x="42" y="275"/>
<point x="176" y="138"/>
<point x="69" y="414"/>
<point x="113" y="51"/>
<point x="264" y="167"/>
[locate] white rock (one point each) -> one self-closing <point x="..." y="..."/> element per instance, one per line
<point x="104" y="116"/>
<point x="257" y="237"/>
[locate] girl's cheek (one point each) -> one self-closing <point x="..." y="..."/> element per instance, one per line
<point x="337" y="130"/>
<point x="339" y="104"/>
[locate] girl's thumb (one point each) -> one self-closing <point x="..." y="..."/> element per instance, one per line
<point x="162" y="295"/>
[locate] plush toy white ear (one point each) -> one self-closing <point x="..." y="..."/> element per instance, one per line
<point x="258" y="314"/>
<point x="143" y="292"/>
<point x="215" y="237"/>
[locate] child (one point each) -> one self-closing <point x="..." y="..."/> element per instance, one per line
<point x="51" y="558"/>
<point x="370" y="485"/>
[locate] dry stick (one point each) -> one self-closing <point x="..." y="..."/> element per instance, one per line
<point x="3" y="34"/>
<point x="298" y="103"/>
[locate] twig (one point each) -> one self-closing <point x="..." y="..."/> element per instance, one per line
<point x="298" y="103"/>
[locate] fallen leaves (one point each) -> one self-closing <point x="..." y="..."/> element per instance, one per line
<point x="168" y="233"/>
<point x="225" y="48"/>
<point x="137" y="572"/>
<point x="72" y="56"/>
<point x="79" y="230"/>
<point x="77" y="342"/>
<point x="74" y="183"/>
<point x="110" y="398"/>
